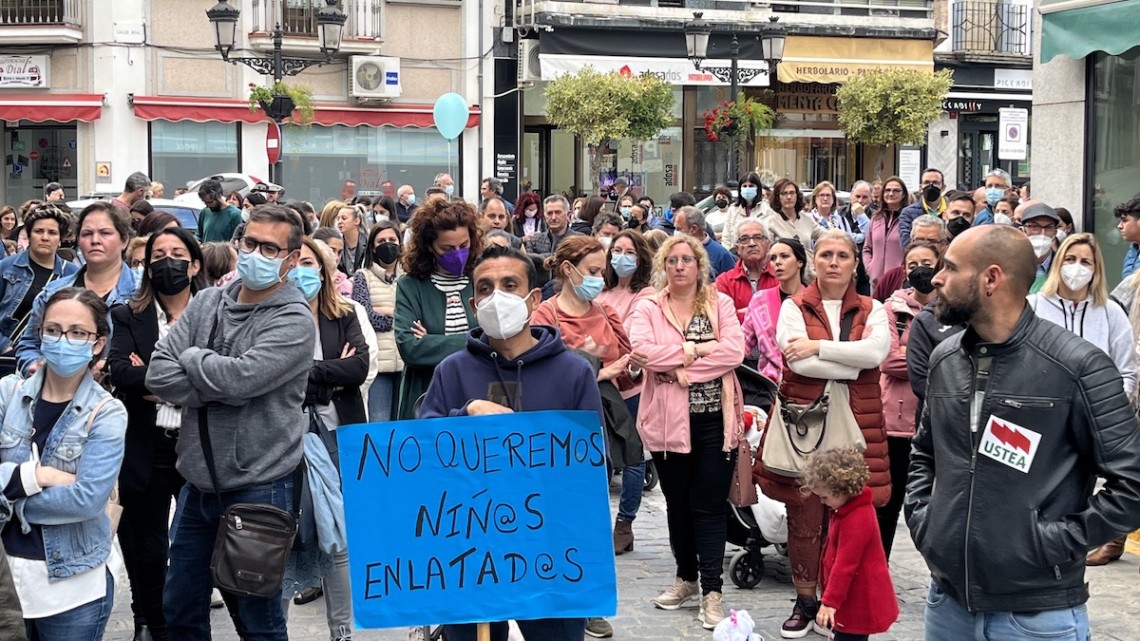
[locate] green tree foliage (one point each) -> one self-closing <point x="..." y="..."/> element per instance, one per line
<point x="892" y="106"/>
<point x="598" y="107"/>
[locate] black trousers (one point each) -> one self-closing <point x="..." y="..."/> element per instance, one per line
<point x="144" y="535"/>
<point x="843" y="636"/>
<point x="898" y="448"/>
<point x="696" y="487"/>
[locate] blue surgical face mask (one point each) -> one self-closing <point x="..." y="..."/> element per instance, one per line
<point x="138" y="272"/>
<point x="449" y="190"/>
<point x="993" y="194"/>
<point x="307" y="279"/>
<point x="590" y="288"/>
<point x="625" y="212"/>
<point x="63" y="357"/>
<point x="623" y="264"/>
<point x="411" y="199"/>
<point x="258" y="272"/>
<point x="748" y="193"/>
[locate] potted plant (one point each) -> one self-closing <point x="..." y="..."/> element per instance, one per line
<point x="283" y="101"/>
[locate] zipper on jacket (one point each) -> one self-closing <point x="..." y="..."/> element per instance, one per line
<point x="974" y="441"/>
<point x="1023" y="404"/>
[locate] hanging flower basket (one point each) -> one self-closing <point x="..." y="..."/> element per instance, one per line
<point x="734" y="117"/>
<point x="281" y="101"/>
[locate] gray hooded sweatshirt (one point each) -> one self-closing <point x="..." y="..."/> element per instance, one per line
<point x="252" y="381"/>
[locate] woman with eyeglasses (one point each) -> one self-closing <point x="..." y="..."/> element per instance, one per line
<point x="332" y="399"/>
<point x="829" y="334"/>
<point x="61" y="445"/>
<point x="433" y="310"/>
<point x="881" y="248"/>
<point x="103" y="234"/>
<point x="374" y="287"/>
<point x="691" y="416"/>
<point x="171" y="264"/>
<point x="749" y="203"/>
<point x="823" y="203"/>
<point x="786" y="220"/>
<point x="787" y="260"/>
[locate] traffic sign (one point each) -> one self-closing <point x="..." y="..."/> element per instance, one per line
<point x="1014" y="141"/>
<point x="273" y="143"/>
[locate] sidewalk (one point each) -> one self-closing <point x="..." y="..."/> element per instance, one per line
<point x="643" y="573"/>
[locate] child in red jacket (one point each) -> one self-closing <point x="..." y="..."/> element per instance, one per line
<point x="858" y="596"/>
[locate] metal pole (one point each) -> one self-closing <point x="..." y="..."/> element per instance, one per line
<point x="278" y="74"/>
<point x="734" y="52"/>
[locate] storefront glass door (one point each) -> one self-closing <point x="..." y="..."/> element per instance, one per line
<point x="36" y="155"/>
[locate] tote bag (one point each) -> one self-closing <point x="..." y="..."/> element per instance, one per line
<point x="796" y="430"/>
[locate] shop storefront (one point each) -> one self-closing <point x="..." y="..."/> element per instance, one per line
<point x="41" y="139"/>
<point x="1103" y="37"/>
<point x="346" y="150"/>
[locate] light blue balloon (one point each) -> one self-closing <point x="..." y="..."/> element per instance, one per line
<point x="450" y="114"/>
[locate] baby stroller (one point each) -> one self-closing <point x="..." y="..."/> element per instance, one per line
<point x="763" y="524"/>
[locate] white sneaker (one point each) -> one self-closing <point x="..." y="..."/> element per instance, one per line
<point x="677" y="594"/>
<point x="216" y="600"/>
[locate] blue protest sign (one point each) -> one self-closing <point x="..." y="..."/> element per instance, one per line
<point x="475" y="519"/>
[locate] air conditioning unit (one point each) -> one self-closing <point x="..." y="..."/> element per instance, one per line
<point x="530" y="70"/>
<point x="374" y="77"/>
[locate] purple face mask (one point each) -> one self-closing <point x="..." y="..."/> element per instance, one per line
<point x="454" y="261"/>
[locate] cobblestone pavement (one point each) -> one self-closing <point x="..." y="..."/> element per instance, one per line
<point x="1114" y="608"/>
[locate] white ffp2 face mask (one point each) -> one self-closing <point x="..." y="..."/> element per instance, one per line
<point x="1076" y="275"/>
<point x="502" y="315"/>
<point x="1042" y="244"/>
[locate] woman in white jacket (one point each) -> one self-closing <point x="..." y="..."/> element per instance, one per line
<point x="1075" y="296"/>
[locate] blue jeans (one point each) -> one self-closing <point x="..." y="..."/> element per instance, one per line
<point x="189" y="581"/>
<point x="381" y="395"/>
<point x="84" y="623"/>
<point x="536" y="630"/>
<point x="948" y="620"/>
<point x="632" y="477"/>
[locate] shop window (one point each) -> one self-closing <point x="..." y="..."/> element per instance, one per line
<point x="325" y="163"/>
<point x="181" y="152"/>
<point x="1116" y="148"/>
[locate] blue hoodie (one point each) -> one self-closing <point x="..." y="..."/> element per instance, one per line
<point x="554" y="378"/>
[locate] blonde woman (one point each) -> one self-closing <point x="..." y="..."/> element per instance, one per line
<point x="691" y="415"/>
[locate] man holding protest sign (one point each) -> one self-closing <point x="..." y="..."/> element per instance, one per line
<point x="487" y="379"/>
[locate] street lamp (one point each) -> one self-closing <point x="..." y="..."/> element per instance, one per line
<point x="330" y="29"/>
<point x="772" y="38"/>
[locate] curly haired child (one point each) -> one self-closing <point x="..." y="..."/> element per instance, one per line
<point x="858" y="596"/>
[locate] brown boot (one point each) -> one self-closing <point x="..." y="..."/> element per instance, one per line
<point x="623" y="537"/>
<point x="1106" y="553"/>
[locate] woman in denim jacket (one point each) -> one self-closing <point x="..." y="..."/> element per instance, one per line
<point x="61" y="444"/>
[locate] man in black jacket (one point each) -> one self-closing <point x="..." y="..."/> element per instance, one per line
<point x="1021" y="418"/>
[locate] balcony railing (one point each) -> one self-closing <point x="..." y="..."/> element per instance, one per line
<point x="32" y="13"/>
<point x="985" y="27"/>
<point x="299" y="17"/>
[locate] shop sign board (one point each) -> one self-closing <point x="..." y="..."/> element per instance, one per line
<point x="478" y="519"/>
<point x="24" y="72"/>
<point x="910" y="169"/>
<point x="807" y="97"/>
<point x="675" y="71"/>
<point x="1013" y="141"/>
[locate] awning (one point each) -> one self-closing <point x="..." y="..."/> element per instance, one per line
<point x="1111" y="28"/>
<point x="180" y="108"/>
<point x="824" y="59"/>
<point x="50" y="107"/>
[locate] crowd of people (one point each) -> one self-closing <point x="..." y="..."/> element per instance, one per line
<point x="973" y="334"/>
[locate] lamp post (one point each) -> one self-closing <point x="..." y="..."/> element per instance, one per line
<point x="772" y="37"/>
<point x="330" y="29"/>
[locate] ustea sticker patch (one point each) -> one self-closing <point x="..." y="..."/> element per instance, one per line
<point x="1010" y="444"/>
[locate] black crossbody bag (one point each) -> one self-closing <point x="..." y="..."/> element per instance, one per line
<point x="254" y="539"/>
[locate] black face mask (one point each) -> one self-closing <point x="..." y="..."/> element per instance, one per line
<point x="386" y="254"/>
<point x="170" y="276"/>
<point x="634" y="223"/>
<point x="920" y="278"/>
<point x="957" y="226"/>
<point x="721" y="204"/>
<point x="931" y="193"/>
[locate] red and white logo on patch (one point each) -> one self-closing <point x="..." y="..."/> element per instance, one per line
<point x="1009" y="444"/>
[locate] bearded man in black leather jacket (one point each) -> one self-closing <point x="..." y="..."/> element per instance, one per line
<point x="1021" y="418"/>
